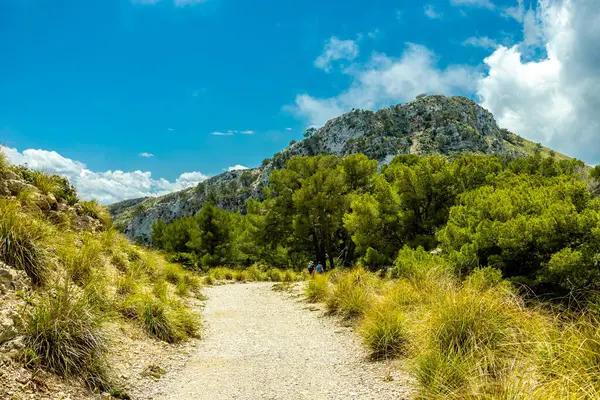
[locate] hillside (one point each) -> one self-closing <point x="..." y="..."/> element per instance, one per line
<point x="428" y="125"/>
<point x="77" y="300"/>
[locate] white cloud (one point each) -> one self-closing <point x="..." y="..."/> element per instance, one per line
<point x="147" y="155"/>
<point x="473" y="3"/>
<point x="385" y="80"/>
<point x="431" y="12"/>
<point x="236" y="168"/>
<point x="483" y="42"/>
<point x="374" y="34"/>
<point x="554" y="99"/>
<point x="232" y="132"/>
<point x="107" y="187"/>
<point x="516" y="12"/>
<point x="288" y="129"/>
<point x="336" y="49"/>
<point x="170" y="129"/>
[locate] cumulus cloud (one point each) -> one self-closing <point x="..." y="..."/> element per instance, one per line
<point x="385" y="80"/>
<point x="474" y="3"/>
<point x="147" y="155"/>
<point x="431" y="12"/>
<point x="336" y="49"/>
<point x="107" y="187"/>
<point x="236" y="168"/>
<point x="554" y="99"/>
<point x="483" y="42"/>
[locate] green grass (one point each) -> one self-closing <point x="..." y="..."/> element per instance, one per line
<point x="254" y="273"/>
<point x="352" y="293"/>
<point x="384" y="331"/>
<point x="62" y="333"/>
<point x="93" y="209"/>
<point x="475" y="339"/>
<point x="23" y="240"/>
<point x="44" y="181"/>
<point x="317" y="289"/>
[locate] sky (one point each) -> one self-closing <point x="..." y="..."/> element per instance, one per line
<point x="132" y="98"/>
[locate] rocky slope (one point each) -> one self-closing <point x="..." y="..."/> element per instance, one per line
<point x="428" y="125"/>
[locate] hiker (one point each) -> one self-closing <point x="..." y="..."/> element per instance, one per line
<point x="311" y="268"/>
<point x="320" y="268"/>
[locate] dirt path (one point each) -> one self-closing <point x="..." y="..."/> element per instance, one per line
<point x="262" y="344"/>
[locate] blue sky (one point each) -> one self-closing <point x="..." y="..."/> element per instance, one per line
<point x="102" y="81"/>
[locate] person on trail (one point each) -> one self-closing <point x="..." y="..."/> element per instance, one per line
<point x="319" y="268"/>
<point x="311" y="268"/>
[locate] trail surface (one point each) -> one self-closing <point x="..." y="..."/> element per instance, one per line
<point x="262" y="344"/>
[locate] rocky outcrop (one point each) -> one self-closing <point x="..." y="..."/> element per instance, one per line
<point x="448" y="126"/>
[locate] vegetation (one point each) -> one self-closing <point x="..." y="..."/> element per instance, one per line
<point x="86" y="276"/>
<point x="256" y="273"/>
<point x="482" y="271"/>
<point x="468" y="338"/>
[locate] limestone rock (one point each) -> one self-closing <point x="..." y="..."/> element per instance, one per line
<point x="12" y="280"/>
<point x="447" y="126"/>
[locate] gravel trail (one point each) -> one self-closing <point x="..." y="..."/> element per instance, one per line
<point x="262" y="344"/>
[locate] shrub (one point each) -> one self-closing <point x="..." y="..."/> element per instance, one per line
<point x="384" y="330"/>
<point x="209" y="280"/>
<point x="22" y="240"/>
<point x="62" y="333"/>
<point x="317" y="289"/>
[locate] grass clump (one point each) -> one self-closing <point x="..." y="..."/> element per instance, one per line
<point x="22" y="240"/>
<point x="93" y="209"/>
<point x="352" y="293"/>
<point x="384" y="331"/>
<point x="62" y="333"/>
<point x="163" y="319"/>
<point x="44" y="181"/>
<point x="317" y="289"/>
<point x="173" y="273"/>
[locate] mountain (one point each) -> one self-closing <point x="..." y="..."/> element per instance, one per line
<point x="428" y="125"/>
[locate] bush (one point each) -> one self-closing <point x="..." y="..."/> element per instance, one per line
<point x="22" y="240"/>
<point x="62" y="333"/>
<point x="384" y="330"/>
